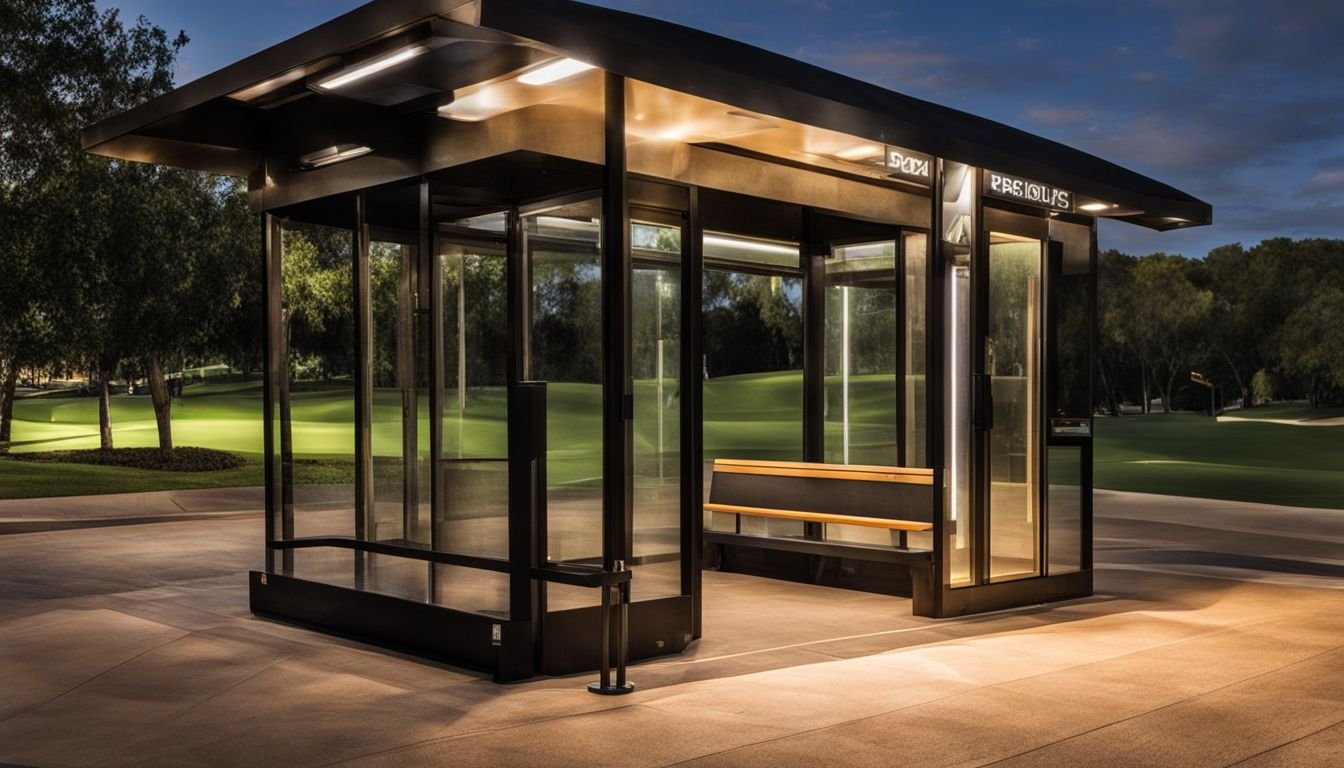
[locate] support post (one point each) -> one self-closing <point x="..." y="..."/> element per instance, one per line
<point x="618" y="400"/>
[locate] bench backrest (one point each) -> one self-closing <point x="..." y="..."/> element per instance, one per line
<point x="893" y="493"/>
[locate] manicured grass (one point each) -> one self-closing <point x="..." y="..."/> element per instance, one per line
<point x="755" y="415"/>
<point x="28" y="480"/>
<point x="1189" y="455"/>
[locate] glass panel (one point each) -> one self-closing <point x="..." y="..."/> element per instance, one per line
<point x="1065" y="503"/>
<point x="656" y="344"/>
<point x="393" y="417"/>
<point x="861" y="348"/>
<point x="474" y="470"/>
<point x="860" y="357"/>
<point x="566" y="352"/>
<point x="914" y="348"/>
<point x="753" y="368"/>
<point x="1012" y="359"/>
<point x="1070" y="356"/>
<point x="317" y="389"/>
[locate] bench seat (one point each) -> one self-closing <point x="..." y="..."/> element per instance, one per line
<point x="897" y="499"/>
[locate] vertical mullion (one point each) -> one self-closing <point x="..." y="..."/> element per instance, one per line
<point x="935" y="382"/>
<point x="271" y="323"/>
<point x="902" y="337"/>
<point x="617" y="391"/>
<point x="692" y="386"/>
<point x="364" y="489"/>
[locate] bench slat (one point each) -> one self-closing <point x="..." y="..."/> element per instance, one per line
<point x="908" y="475"/>
<point x="816" y="517"/>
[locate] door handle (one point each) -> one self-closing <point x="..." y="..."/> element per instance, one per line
<point x="982" y="408"/>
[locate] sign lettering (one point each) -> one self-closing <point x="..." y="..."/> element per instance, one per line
<point x="909" y="165"/>
<point x="1019" y="190"/>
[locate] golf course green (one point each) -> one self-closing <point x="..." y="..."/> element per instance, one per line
<point x="1271" y="454"/>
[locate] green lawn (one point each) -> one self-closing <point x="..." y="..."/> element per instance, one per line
<point x="754" y="415"/>
<point x="1189" y="455"/>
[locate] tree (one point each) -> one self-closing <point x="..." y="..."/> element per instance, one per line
<point x="1167" y="312"/>
<point x="1313" y="345"/>
<point x="64" y="65"/>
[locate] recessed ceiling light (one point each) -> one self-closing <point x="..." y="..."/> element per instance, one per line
<point x="1094" y="207"/>
<point x="553" y="72"/>
<point x="861" y="152"/>
<point x="332" y="155"/>
<point x="475" y="107"/>
<point x="372" y="67"/>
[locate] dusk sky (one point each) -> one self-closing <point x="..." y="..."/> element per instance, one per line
<point x="1239" y="103"/>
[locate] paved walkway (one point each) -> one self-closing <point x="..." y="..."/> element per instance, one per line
<point x="1216" y="638"/>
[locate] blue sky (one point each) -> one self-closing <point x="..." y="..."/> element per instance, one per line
<point x="1240" y="103"/>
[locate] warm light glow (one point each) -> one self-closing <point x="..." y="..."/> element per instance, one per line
<point x="861" y="152"/>
<point x="554" y="72"/>
<point x="1094" y="207"/>
<point x="332" y="155"/>
<point x="372" y="67"/>
<point x="475" y="107"/>
<point x="757" y="246"/>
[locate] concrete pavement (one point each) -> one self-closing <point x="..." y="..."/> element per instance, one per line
<point x="1216" y="638"/>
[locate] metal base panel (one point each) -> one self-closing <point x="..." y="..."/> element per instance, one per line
<point x="500" y="647"/>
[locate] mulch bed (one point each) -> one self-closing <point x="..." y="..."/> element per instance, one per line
<point x="179" y="460"/>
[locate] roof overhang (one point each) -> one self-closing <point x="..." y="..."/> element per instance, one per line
<point x="203" y="125"/>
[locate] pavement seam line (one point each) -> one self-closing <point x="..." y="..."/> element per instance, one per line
<point x="1169" y="705"/>
<point x="107" y="671"/>
<point x="1290" y="742"/>
<point x="938" y="699"/>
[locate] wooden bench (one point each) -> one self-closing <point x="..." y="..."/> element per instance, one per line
<point x="898" y="499"/>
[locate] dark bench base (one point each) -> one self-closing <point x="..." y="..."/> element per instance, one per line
<point x="884" y="570"/>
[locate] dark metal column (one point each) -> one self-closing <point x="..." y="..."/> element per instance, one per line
<point x="935" y="382"/>
<point x="692" y="411"/>
<point x="814" y="344"/>
<point x="271" y="328"/>
<point x="617" y="387"/>
<point x="618" y="400"/>
<point x="364" y="505"/>
<point x="280" y="366"/>
<point x="364" y="488"/>
<point x="814" y="352"/>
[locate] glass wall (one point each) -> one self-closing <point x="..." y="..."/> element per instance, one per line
<point x="473" y="516"/>
<point x="1069" y="328"/>
<point x="316" y="396"/>
<point x="753" y="358"/>
<point x="914" y="348"/>
<point x="1013" y="333"/>
<point x="861" y="407"/>
<point x="561" y="247"/>
<point x="656" y="364"/>
<point x="315" y="405"/>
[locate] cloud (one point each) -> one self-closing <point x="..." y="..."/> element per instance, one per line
<point x="1323" y="183"/>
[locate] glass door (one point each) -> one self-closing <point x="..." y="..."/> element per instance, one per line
<point x="656" y="250"/>
<point x="1012" y="349"/>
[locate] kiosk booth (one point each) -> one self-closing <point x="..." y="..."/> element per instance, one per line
<point x="615" y="301"/>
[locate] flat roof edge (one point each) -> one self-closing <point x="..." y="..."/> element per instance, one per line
<point x="359" y="26"/>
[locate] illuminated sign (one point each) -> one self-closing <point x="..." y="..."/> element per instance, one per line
<point x="911" y="166"/>
<point x="1020" y="190"/>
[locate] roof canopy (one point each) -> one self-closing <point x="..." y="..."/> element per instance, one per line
<point x="230" y="121"/>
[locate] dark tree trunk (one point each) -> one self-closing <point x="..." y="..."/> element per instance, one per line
<point x="1112" y="404"/>
<point x="162" y="398"/>
<point x="1147" y="401"/>
<point x="105" y="410"/>
<point x="7" y="388"/>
